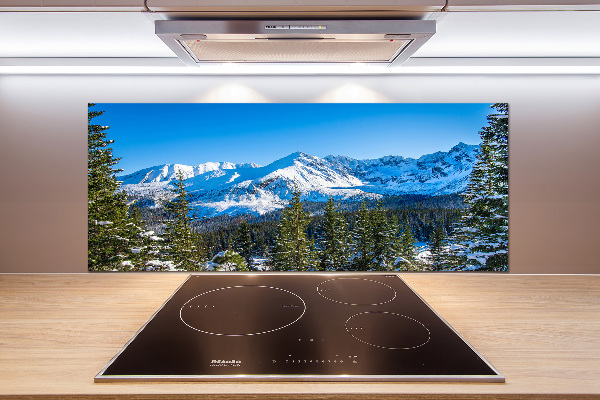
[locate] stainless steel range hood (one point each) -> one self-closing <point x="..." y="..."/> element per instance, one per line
<point x="388" y="42"/>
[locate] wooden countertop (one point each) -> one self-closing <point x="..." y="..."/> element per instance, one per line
<point x="542" y="332"/>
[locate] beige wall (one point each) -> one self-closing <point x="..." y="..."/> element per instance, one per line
<point x="554" y="153"/>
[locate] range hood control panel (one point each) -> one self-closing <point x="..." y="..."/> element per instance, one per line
<point x="282" y="27"/>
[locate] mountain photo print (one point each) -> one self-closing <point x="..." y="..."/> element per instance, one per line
<point x="298" y="187"/>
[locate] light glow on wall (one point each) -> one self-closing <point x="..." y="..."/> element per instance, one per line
<point x="232" y="93"/>
<point x="352" y="93"/>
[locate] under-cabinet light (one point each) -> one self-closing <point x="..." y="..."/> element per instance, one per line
<point x="414" y="66"/>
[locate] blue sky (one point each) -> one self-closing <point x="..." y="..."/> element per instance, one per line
<point x="152" y="134"/>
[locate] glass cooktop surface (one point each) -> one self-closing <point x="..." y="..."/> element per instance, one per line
<point x="311" y="327"/>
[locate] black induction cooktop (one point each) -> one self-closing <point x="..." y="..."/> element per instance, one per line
<point x="311" y="327"/>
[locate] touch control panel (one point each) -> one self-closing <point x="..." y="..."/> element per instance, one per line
<point x="337" y="359"/>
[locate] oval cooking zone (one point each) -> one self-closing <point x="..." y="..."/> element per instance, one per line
<point x="356" y="291"/>
<point x="242" y="310"/>
<point x="388" y="330"/>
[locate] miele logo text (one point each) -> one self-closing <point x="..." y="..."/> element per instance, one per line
<point x="225" y="363"/>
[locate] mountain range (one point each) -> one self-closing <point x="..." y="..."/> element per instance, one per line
<point x="227" y="188"/>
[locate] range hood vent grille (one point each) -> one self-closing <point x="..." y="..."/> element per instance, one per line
<point x="390" y="42"/>
<point x="295" y="50"/>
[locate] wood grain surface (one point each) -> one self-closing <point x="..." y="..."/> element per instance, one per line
<point x="542" y="332"/>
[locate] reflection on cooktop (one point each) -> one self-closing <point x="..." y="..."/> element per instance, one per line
<point x="313" y="327"/>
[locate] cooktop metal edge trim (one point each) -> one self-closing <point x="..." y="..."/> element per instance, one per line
<point x="299" y="378"/>
<point x="500" y="377"/>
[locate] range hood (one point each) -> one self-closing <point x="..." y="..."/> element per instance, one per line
<point x="387" y="42"/>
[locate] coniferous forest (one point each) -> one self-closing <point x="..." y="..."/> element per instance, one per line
<point x="461" y="231"/>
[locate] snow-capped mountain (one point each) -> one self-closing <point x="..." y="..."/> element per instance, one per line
<point x="154" y="181"/>
<point x="227" y="188"/>
<point x="432" y="174"/>
<point x="168" y="172"/>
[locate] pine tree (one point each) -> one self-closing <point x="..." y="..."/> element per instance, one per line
<point x="362" y="246"/>
<point x="156" y="252"/>
<point x="383" y="237"/>
<point x="293" y="251"/>
<point x="406" y="245"/>
<point x="334" y="244"/>
<point x="437" y="242"/>
<point x="110" y="233"/>
<point x="180" y="238"/>
<point x="229" y="260"/>
<point x="152" y="253"/>
<point x="243" y="242"/>
<point x="142" y="243"/>
<point x="481" y="237"/>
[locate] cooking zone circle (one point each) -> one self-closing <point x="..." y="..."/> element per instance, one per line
<point x="388" y="330"/>
<point x="242" y="310"/>
<point x="356" y="291"/>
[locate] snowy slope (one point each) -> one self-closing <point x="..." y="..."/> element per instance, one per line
<point x="432" y="174"/>
<point x="237" y="188"/>
<point x="154" y="181"/>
